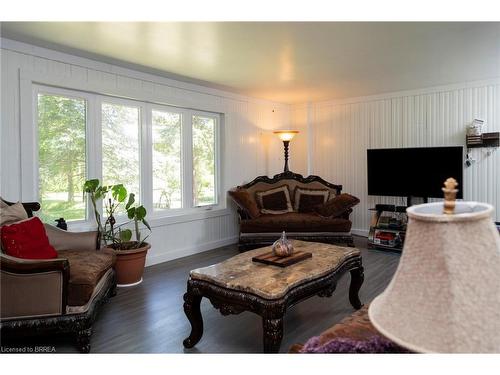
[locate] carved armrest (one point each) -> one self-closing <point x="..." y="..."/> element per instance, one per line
<point x="63" y="240"/>
<point x="33" y="287"/>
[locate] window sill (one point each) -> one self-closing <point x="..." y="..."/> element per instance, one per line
<point x="158" y="219"/>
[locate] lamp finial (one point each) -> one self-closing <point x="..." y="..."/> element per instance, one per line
<point x="450" y="193"/>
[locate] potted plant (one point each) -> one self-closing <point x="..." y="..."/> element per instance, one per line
<point x="130" y="254"/>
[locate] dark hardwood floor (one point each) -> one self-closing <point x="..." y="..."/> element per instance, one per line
<point x="149" y="318"/>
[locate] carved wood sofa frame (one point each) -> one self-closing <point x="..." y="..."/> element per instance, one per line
<point x="78" y="324"/>
<point x="253" y="241"/>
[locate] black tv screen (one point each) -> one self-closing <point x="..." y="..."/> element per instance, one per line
<point x="416" y="172"/>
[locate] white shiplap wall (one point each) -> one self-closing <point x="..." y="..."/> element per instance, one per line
<point x="332" y="143"/>
<point x="245" y="154"/>
<point x="341" y="132"/>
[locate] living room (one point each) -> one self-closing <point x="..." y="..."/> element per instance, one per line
<point x="166" y="183"/>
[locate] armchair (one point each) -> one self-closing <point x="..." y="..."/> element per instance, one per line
<point x="60" y="295"/>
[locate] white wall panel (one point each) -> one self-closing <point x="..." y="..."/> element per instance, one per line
<point x="244" y="156"/>
<point x="343" y="131"/>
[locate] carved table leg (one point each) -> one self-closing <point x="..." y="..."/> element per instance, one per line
<point x="193" y="313"/>
<point x="273" y="334"/>
<point x="83" y="340"/>
<point x="357" y="278"/>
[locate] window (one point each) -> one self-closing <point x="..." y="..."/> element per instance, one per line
<point x="167" y="177"/>
<point x="203" y="160"/>
<point x="167" y="156"/>
<point x="61" y="156"/>
<point x="120" y="146"/>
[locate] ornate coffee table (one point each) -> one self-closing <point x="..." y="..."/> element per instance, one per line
<point x="238" y="285"/>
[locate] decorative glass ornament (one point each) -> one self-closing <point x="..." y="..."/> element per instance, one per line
<point x="283" y="247"/>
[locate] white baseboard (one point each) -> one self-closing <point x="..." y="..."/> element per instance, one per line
<point x="360" y="232"/>
<point x="180" y="253"/>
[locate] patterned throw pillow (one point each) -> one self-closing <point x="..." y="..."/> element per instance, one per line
<point x="337" y="206"/>
<point x="245" y="201"/>
<point x="275" y="201"/>
<point x="306" y="199"/>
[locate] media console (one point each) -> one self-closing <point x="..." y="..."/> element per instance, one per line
<point x="388" y="227"/>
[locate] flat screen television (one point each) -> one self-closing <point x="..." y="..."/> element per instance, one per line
<point x="414" y="172"/>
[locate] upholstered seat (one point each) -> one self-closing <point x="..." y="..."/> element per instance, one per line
<point x="56" y="295"/>
<point x="294" y="222"/>
<point x="86" y="268"/>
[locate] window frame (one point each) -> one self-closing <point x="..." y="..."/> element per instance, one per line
<point x="142" y="138"/>
<point x="89" y="151"/>
<point x="93" y="157"/>
<point x="184" y="167"/>
<point x="217" y="177"/>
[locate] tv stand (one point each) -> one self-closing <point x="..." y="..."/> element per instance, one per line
<point x="388" y="227"/>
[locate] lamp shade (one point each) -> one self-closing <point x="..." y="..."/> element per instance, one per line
<point x="445" y="294"/>
<point x="286" y="135"/>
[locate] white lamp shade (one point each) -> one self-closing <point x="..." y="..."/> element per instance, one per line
<point x="445" y="294"/>
<point x="286" y="135"/>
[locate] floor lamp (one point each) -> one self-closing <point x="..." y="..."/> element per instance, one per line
<point x="286" y="136"/>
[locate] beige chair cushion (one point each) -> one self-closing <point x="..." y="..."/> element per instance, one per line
<point x="3" y="204"/>
<point x="64" y="240"/>
<point x="12" y="214"/>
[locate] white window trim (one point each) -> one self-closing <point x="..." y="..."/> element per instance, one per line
<point x="29" y="88"/>
<point x="142" y="137"/>
<point x="184" y="185"/>
<point x="90" y="154"/>
<point x="217" y="182"/>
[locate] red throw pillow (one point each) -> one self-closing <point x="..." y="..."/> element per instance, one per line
<point x="27" y="239"/>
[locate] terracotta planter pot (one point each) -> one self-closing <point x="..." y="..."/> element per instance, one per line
<point x="130" y="265"/>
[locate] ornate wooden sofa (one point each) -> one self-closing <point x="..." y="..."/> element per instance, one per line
<point x="60" y="295"/>
<point x="265" y="229"/>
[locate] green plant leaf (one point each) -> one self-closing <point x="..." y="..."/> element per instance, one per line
<point x="131" y="213"/>
<point x="125" y="235"/>
<point x="131" y="200"/>
<point x="101" y="192"/>
<point x="90" y="186"/>
<point x="119" y="192"/>
<point x="140" y="212"/>
<point x="146" y="224"/>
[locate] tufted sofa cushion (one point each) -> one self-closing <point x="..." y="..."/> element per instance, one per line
<point x="86" y="268"/>
<point x="294" y="222"/>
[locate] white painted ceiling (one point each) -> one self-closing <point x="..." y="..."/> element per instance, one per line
<point x="286" y="62"/>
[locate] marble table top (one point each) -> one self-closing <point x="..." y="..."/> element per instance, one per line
<point x="271" y="282"/>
